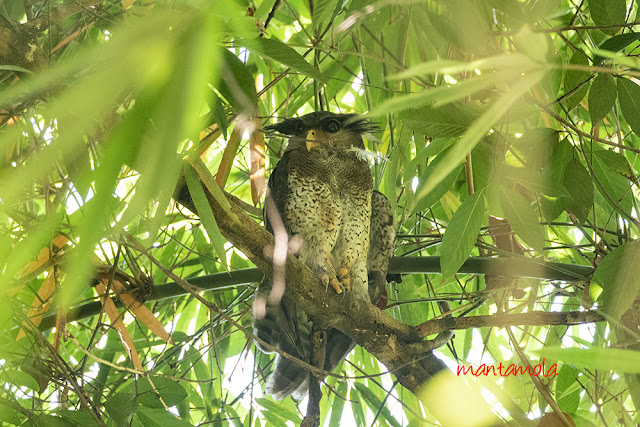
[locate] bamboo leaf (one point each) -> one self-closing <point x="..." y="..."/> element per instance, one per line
<point x="376" y="404"/>
<point x="619" y="277"/>
<point x="602" y="359"/>
<point x="461" y="234"/>
<point x="522" y="218"/>
<point x="277" y="51"/>
<point x="206" y="214"/>
<point x="476" y="131"/>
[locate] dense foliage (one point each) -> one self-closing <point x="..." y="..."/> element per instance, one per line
<point x="508" y="130"/>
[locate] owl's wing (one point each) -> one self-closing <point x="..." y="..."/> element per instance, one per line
<point x="381" y="245"/>
<point x="382" y="239"/>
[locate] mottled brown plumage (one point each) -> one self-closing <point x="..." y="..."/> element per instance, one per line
<point x="323" y="191"/>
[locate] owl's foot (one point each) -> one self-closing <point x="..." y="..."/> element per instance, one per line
<point x="344" y="278"/>
<point x="340" y="283"/>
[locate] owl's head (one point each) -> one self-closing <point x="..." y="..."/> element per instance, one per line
<point x="324" y="130"/>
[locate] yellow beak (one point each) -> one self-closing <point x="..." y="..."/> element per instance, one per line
<point x="311" y="140"/>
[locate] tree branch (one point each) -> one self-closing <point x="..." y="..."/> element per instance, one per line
<point x="503" y="320"/>
<point x="398" y="265"/>
<point x="398" y="346"/>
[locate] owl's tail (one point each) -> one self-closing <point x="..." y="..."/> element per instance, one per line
<point x="290" y="378"/>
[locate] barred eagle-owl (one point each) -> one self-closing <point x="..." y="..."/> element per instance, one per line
<point x="323" y="192"/>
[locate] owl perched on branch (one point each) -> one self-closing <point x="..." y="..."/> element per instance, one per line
<point x="323" y="193"/>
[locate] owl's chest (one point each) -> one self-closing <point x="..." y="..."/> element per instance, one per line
<point x="327" y="191"/>
<point x="340" y="175"/>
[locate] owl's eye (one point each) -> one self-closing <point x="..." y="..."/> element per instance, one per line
<point x="300" y="128"/>
<point x="331" y="126"/>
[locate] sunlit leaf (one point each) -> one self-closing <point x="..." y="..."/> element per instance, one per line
<point x="376" y="404"/>
<point x="158" y="418"/>
<point x="604" y="359"/>
<point x="602" y="97"/>
<point x="606" y="13"/>
<point x="442" y="122"/>
<point x="615" y="44"/>
<point x="522" y="218"/>
<point x="206" y="214"/>
<point x="277" y="51"/>
<point x="619" y="277"/>
<point x="576" y="81"/>
<point x="579" y="187"/>
<point x="629" y="93"/>
<point x="476" y="131"/>
<point x="462" y="233"/>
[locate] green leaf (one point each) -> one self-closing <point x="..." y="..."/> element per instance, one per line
<point x="602" y="96"/>
<point x="169" y="390"/>
<point x="567" y="376"/>
<point x="605" y="359"/>
<point x="11" y="416"/>
<point x="615" y="44"/>
<point x="322" y="9"/>
<point x="608" y="12"/>
<point x="121" y="407"/>
<point x="279" y="410"/>
<point x="461" y="234"/>
<point x="204" y="211"/>
<point x="217" y="113"/>
<point x="150" y="417"/>
<point x="579" y="187"/>
<point x="277" y="51"/>
<point x="476" y="131"/>
<point x="337" y="407"/>
<point x="629" y="93"/>
<point x="616" y="186"/>
<point x="376" y="404"/>
<point x="79" y="418"/>
<point x="533" y="180"/>
<point x="445" y="121"/>
<point x="537" y="146"/>
<point x="6" y="67"/>
<point x="47" y="420"/>
<point x="570" y="402"/>
<point x="19" y="379"/>
<point x="237" y="84"/>
<point x="619" y="277"/>
<point x="205" y="249"/>
<point x="576" y="82"/>
<point x="440" y="189"/>
<point x="522" y="218"/>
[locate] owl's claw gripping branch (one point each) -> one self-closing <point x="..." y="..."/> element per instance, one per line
<point x="340" y="283"/>
<point x="344" y="278"/>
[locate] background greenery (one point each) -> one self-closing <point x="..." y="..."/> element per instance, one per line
<point x="507" y="128"/>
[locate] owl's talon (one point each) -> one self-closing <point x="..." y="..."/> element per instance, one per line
<point x="325" y="280"/>
<point x="344" y="278"/>
<point x="336" y="285"/>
